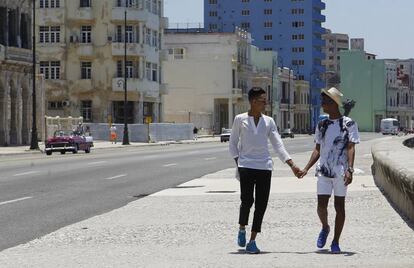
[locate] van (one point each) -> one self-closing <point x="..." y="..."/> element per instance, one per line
<point x="390" y="126"/>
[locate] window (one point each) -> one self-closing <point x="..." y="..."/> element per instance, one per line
<point x="212" y="26"/>
<point x="49" y="34"/>
<point x="129" y="34"/>
<point x="154" y="7"/>
<point x="86" y="33"/>
<point x="148" y="36"/>
<point x="245" y="25"/>
<point x="212" y="14"/>
<point x="129" y="69"/>
<point x="85" y="3"/>
<point x="86" y="110"/>
<point x="268" y="11"/>
<point x="86" y="70"/>
<point x="268" y="0"/>
<point x="154" y="72"/>
<point x="268" y="37"/>
<point x="268" y="49"/>
<point x="298" y="37"/>
<point x="212" y="2"/>
<point x="50" y="69"/>
<point x="245" y="1"/>
<point x="245" y="12"/>
<point x="154" y="39"/>
<point x="297" y="24"/>
<point x="178" y="53"/>
<point x="49" y="4"/>
<point x="148" y="70"/>
<point x="268" y="24"/>
<point x="298" y="49"/>
<point x="55" y="105"/>
<point x="148" y="5"/>
<point x="119" y="69"/>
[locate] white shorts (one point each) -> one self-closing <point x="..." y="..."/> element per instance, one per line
<point x="325" y="186"/>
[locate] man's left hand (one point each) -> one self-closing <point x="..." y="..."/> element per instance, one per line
<point x="348" y="178"/>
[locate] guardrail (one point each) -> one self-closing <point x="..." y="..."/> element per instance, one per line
<point x="393" y="172"/>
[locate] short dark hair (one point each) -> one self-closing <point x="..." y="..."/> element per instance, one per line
<point x="255" y="92"/>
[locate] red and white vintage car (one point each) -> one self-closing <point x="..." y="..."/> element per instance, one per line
<point x="67" y="141"/>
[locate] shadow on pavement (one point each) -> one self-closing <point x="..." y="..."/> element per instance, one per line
<point x="323" y="251"/>
<point x="242" y="251"/>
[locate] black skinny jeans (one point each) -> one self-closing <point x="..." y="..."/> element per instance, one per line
<point x="250" y="180"/>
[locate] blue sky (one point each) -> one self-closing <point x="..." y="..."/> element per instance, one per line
<point x="385" y="25"/>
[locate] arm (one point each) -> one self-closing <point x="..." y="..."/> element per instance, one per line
<point x="313" y="159"/>
<point x="280" y="150"/>
<point x="351" y="158"/>
<point x="234" y="140"/>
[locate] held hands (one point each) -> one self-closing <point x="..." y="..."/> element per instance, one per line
<point x="296" y="170"/>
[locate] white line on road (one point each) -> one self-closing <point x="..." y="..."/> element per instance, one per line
<point x="117" y="177"/>
<point x="15" y="200"/>
<point x="170" y="165"/>
<point x="96" y="163"/>
<point x="25" y="173"/>
<point x="210" y="158"/>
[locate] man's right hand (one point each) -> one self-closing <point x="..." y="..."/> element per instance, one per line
<point x="302" y="173"/>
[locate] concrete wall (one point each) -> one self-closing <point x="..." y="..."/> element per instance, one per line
<point x="139" y="132"/>
<point x="394" y="173"/>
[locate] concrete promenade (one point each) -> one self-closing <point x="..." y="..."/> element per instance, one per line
<point x="195" y="225"/>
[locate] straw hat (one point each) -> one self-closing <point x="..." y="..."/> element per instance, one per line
<point x="334" y="94"/>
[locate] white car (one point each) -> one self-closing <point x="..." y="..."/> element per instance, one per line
<point x="225" y="135"/>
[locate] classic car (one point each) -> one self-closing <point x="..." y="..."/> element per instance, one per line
<point x="67" y="141"/>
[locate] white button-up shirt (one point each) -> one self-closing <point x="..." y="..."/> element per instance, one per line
<point x="250" y="143"/>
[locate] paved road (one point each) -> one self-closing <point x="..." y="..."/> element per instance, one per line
<point x="40" y="194"/>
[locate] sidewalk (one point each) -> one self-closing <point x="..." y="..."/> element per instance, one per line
<point x="99" y="144"/>
<point x="195" y="225"/>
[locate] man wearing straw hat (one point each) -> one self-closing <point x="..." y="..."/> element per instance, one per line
<point x="335" y="139"/>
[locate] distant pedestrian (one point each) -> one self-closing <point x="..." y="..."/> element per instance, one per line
<point x="335" y="139"/>
<point x="113" y="134"/>
<point x="195" y="132"/>
<point x="249" y="139"/>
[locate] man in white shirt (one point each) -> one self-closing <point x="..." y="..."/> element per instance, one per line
<point x="335" y="139"/>
<point x="249" y="147"/>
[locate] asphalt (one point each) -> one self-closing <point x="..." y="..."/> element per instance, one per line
<point x="195" y="225"/>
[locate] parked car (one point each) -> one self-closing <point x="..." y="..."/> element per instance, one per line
<point x="67" y="141"/>
<point x="225" y="135"/>
<point x="287" y="133"/>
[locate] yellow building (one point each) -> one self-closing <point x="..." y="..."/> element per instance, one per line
<point x="81" y="49"/>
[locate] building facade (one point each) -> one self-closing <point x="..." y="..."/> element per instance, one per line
<point x="82" y="47"/>
<point x="381" y="89"/>
<point x="16" y="75"/>
<point x="209" y="76"/>
<point x="292" y="28"/>
<point x="334" y="44"/>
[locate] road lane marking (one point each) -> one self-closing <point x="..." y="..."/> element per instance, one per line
<point x="96" y="163"/>
<point x="25" y="173"/>
<point x="210" y="158"/>
<point x="170" y="165"/>
<point x="15" y="200"/>
<point x="116" y="177"/>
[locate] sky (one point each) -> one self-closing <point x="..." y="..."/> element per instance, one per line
<point x="386" y="26"/>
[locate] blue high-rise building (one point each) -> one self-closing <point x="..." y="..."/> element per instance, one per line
<point x="290" y="27"/>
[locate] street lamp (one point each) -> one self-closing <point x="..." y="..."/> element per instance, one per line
<point x="313" y="74"/>
<point x="34" y="145"/>
<point x="125" y="140"/>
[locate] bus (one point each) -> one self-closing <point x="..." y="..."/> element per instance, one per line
<point x="390" y="126"/>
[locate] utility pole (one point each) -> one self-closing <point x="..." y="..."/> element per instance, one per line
<point x="34" y="145"/>
<point x="125" y="140"/>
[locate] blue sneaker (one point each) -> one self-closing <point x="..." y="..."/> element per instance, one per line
<point x="335" y="249"/>
<point x="241" y="238"/>
<point x="323" y="235"/>
<point x="252" y="248"/>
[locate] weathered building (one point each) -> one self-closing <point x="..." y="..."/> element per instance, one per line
<point x="82" y="49"/>
<point x="16" y="74"/>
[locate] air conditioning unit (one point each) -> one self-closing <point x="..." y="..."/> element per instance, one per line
<point x="66" y="103"/>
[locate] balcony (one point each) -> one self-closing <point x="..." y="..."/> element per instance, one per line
<point x="317" y="16"/>
<point x="85" y="50"/>
<point x="84" y="13"/>
<point x="318" y="4"/>
<point x="16" y="54"/>
<point x="136" y="85"/>
<point x="318" y="42"/>
<point x="133" y="14"/>
<point x="164" y="89"/>
<point x="47" y="16"/>
<point x="318" y="54"/>
<point x="317" y="29"/>
<point x="137" y="50"/>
